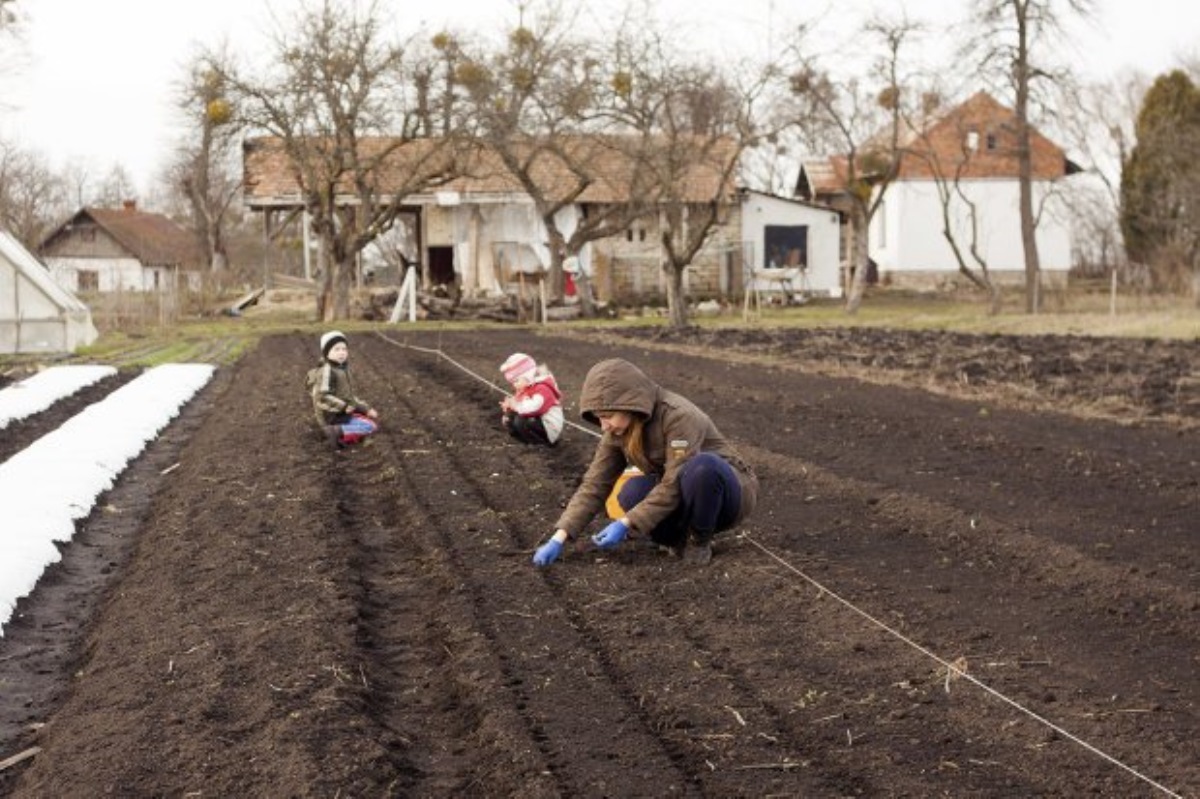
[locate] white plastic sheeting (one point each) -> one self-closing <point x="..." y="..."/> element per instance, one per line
<point x="47" y="487"/>
<point x="38" y="392"/>
<point x="37" y="314"/>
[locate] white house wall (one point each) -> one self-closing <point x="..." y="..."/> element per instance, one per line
<point x="483" y="233"/>
<point x="113" y="274"/>
<point x="760" y="210"/>
<point x="906" y="236"/>
<point x="474" y="230"/>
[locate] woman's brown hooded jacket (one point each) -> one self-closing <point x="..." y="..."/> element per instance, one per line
<point x="673" y="430"/>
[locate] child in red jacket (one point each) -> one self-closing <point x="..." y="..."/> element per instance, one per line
<point x="533" y="413"/>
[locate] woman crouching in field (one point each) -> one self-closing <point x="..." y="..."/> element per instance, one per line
<point x="693" y="484"/>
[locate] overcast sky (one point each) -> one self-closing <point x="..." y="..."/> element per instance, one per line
<point x="95" y="82"/>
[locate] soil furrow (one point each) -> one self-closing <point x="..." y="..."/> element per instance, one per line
<point x="456" y="504"/>
<point x="436" y="683"/>
<point x="944" y="617"/>
<point x="299" y="622"/>
<point x="694" y="718"/>
<point x="937" y="565"/>
<point x="18" y="435"/>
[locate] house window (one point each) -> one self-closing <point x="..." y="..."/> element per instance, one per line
<point x="991" y="142"/>
<point x="87" y="280"/>
<point x="972" y="140"/>
<point x="786" y="246"/>
<point x="87" y="233"/>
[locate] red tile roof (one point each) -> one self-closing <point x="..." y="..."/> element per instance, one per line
<point x="991" y="125"/>
<point x="613" y="171"/>
<point x="154" y="239"/>
<point x="994" y="155"/>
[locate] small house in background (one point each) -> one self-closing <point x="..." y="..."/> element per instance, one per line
<point x="800" y="238"/>
<point x="36" y="314"/>
<point x="969" y="155"/>
<point x="112" y="250"/>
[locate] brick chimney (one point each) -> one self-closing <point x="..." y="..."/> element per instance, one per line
<point x="129" y="205"/>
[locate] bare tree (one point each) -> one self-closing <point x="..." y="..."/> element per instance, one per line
<point x="863" y="119"/>
<point x="205" y="166"/>
<point x="114" y="189"/>
<point x="684" y="125"/>
<point x="1097" y="122"/>
<point x="10" y="28"/>
<point x="947" y="168"/>
<point x="32" y="197"/>
<point x="339" y="103"/>
<point x="13" y="53"/>
<point x="79" y="183"/>
<point x="534" y="106"/>
<point x="1015" y="36"/>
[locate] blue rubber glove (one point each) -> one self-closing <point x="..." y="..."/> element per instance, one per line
<point x="612" y="535"/>
<point x="547" y="553"/>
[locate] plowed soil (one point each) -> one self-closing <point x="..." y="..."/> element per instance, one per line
<point x="974" y="574"/>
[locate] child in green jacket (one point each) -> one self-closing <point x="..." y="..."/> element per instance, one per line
<point x="343" y="416"/>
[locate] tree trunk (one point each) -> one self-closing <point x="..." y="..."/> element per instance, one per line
<point x="1033" y="267"/>
<point x="994" y="298"/>
<point x="554" y="278"/>
<point x="860" y="259"/>
<point x="343" y="277"/>
<point x="676" y="302"/>
<point x="325" y="303"/>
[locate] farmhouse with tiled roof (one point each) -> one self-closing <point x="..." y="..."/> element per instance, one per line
<point x="974" y="144"/>
<point x="481" y="229"/>
<point x="109" y="250"/>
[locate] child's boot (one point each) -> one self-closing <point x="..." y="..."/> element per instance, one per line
<point x="333" y="434"/>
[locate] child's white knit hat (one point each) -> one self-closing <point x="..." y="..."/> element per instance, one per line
<point x="331" y="338"/>
<point x="519" y="366"/>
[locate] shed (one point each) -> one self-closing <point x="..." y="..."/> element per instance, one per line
<point x="792" y="237"/>
<point x="36" y="314"/>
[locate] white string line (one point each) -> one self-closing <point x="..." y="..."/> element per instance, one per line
<point x="489" y="383"/>
<point x="950" y="667"/>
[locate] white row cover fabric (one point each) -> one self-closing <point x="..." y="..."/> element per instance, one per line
<point x="38" y="392"/>
<point x="47" y="487"/>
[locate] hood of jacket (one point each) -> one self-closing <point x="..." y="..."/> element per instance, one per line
<point x="617" y="385"/>
<point x="549" y="382"/>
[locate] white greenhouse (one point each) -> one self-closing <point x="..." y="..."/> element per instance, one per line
<point x="36" y="314"/>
